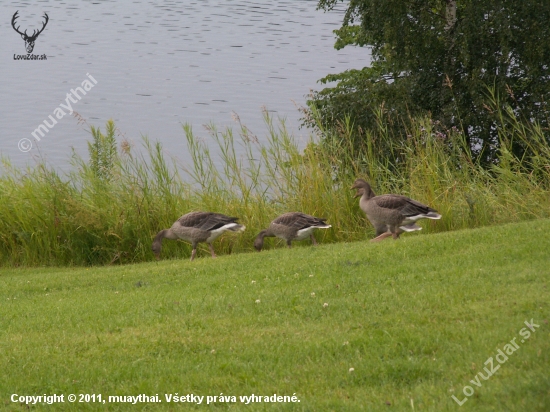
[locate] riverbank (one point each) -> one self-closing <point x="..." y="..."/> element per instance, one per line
<point x="109" y="206"/>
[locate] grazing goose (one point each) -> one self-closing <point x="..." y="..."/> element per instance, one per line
<point x="291" y="226"/>
<point x="196" y="227"/>
<point x="391" y="215"/>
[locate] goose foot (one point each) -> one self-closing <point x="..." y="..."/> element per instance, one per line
<point x="382" y="237"/>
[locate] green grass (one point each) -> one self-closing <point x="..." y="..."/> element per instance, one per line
<point x="416" y="319"/>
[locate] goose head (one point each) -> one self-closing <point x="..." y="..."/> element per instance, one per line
<point x="259" y="241"/>
<point x="157" y="243"/>
<point x="363" y="188"/>
<point x="156" y="250"/>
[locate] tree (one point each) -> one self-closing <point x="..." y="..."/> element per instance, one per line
<point x="441" y="57"/>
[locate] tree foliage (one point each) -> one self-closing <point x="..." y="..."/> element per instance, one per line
<point x="441" y="57"/>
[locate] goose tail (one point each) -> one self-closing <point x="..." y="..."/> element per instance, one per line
<point x="236" y="227"/>
<point x="430" y="215"/>
<point x="433" y="215"/>
<point x="410" y="228"/>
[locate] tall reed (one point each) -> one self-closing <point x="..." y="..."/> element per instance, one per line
<point x="107" y="209"/>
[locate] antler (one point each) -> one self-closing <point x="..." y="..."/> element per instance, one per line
<point x="34" y="34"/>
<point x="15" y="16"/>
<point x="43" y="27"/>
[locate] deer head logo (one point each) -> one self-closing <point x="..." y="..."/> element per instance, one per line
<point x="29" y="40"/>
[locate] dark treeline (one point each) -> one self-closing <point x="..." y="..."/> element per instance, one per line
<point x="445" y="59"/>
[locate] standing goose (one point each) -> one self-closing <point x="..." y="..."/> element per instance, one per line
<point x="291" y="226"/>
<point x="391" y="215"/>
<point x="196" y="227"/>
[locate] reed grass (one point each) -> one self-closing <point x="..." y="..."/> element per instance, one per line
<point x="107" y="209"/>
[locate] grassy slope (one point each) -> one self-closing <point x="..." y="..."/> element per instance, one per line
<point x="416" y="319"/>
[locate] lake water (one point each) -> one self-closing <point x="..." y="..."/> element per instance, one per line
<point x="153" y="65"/>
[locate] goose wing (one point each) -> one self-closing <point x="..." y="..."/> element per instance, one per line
<point x="299" y="220"/>
<point x="414" y="208"/>
<point x="406" y="206"/>
<point x="206" y="220"/>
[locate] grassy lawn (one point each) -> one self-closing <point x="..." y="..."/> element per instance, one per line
<point x="399" y="325"/>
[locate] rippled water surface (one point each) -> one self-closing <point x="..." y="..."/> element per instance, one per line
<point x="158" y="65"/>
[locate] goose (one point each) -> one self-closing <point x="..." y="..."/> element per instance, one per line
<point x="197" y="227"/>
<point x="391" y="215"/>
<point x="291" y="226"/>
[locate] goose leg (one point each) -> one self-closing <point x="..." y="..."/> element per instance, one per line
<point x="396" y="232"/>
<point x="212" y="250"/>
<point x="288" y="243"/>
<point x="313" y="240"/>
<point x="194" y="252"/>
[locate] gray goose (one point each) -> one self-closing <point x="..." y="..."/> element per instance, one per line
<point x="197" y="227"/>
<point x="291" y="226"/>
<point x="391" y="215"/>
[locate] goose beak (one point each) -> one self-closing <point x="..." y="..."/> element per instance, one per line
<point x="359" y="191"/>
<point x="157" y="256"/>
